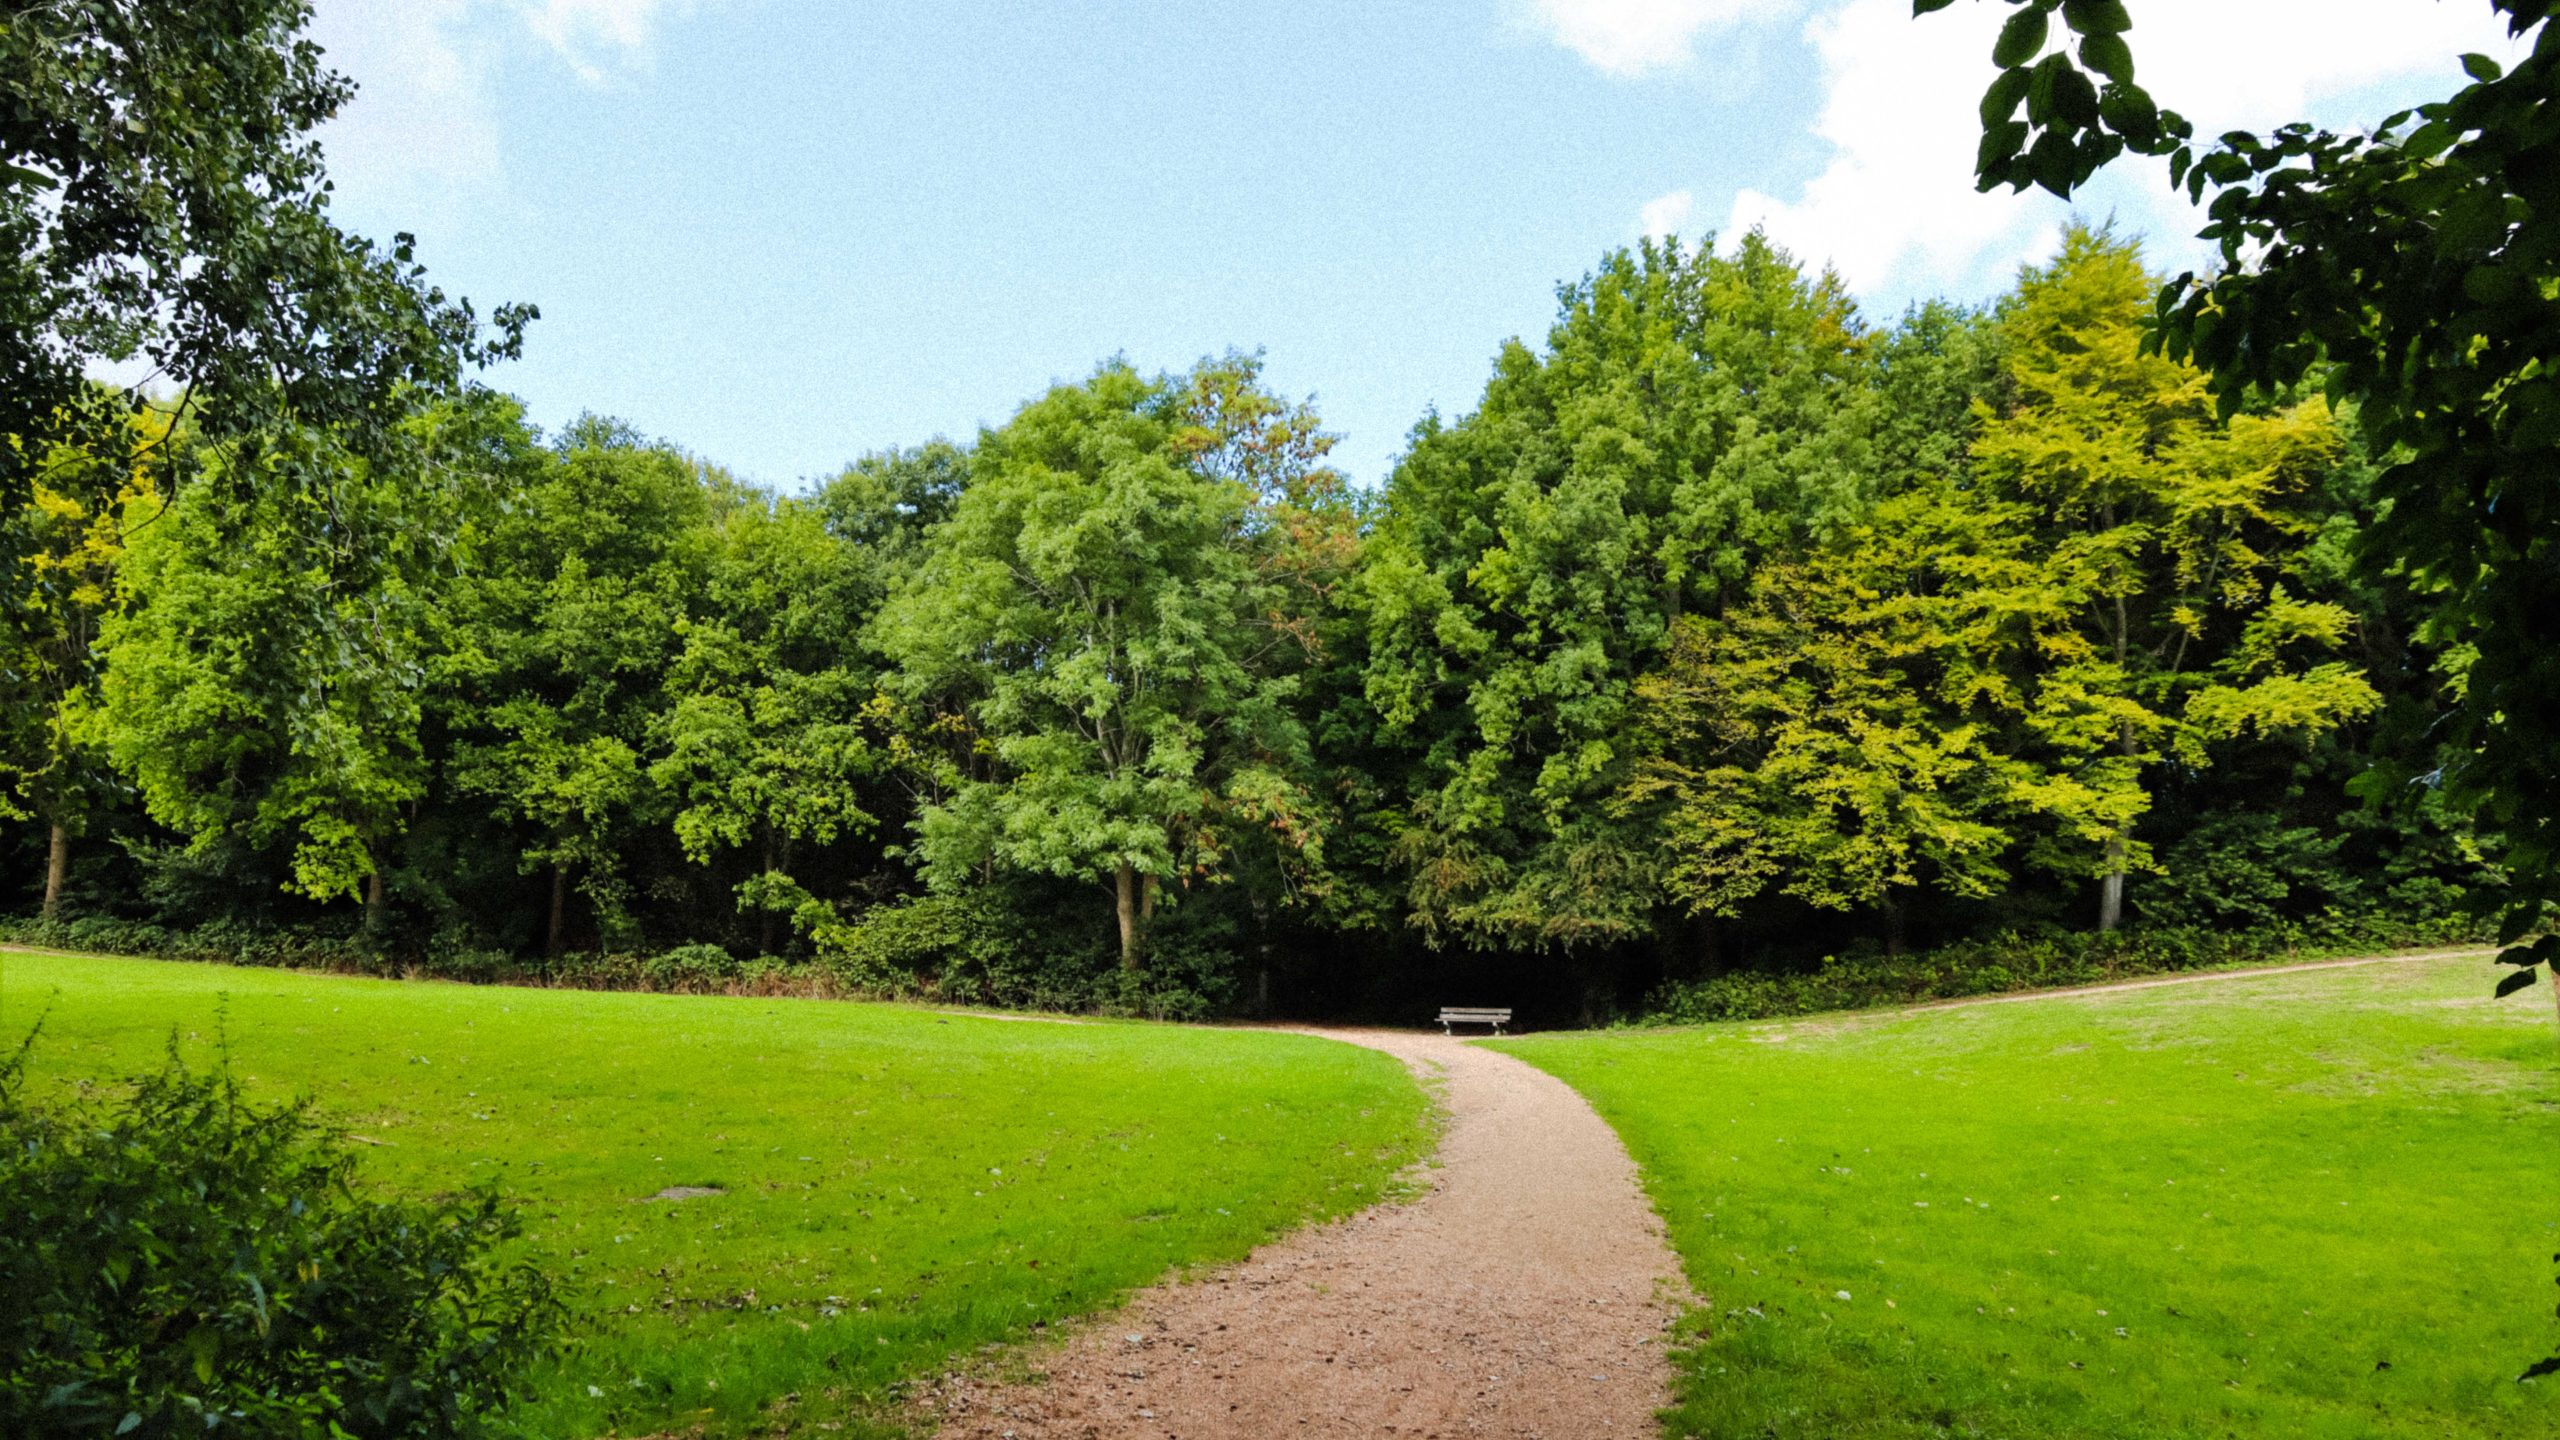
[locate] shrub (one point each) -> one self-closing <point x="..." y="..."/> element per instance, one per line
<point x="689" y="968"/>
<point x="226" y="941"/>
<point x="900" y="945"/>
<point x="994" y="946"/>
<point x="182" y="1262"/>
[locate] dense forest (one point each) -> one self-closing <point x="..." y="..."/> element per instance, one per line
<point x="1730" y="630"/>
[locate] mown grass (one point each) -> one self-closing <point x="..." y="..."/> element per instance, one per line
<point x="900" y="1186"/>
<point x="2312" y="1205"/>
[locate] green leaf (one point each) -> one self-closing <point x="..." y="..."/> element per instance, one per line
<point x="1999" y="146"/>
<point x="2020" y="39"/>
<point x="2481" y="68"/>
<point x="2041" y="82"/>
<point x="2000" y="101"/>
<point x="2517" y="981"/>
<point x="2096" y="17"/>
<point x="2128" y="110"/>
<point x="2075" y="100"/>
<point x="2490" y="284"/>
<point x="1929" y="7"/>
<point x="2424" y="142"/>
<point x="2109" y="56"/>
<point x="2056" y="163"/>
<point x="2518" y="923"/>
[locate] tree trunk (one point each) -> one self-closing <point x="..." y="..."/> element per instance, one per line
<point x="1586" y="974"/>
<point x="1709" y="951"/>
<point x="2110" y="892"/>
<point x="1132" y="923"/>
<point x="1897" y="926"/>
<point x="764" y="924"/>
<point x="559" y="910"/>
<point x="373" y="912"/>
<point x="1261" y="961"/>
<point x="2111" y="888"/>
<point x="57" y="870"/>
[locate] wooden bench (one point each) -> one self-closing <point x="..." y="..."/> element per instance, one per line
<point x="1495" y="1016"/>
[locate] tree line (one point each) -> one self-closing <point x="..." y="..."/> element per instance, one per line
<point x="1729" y="628"/>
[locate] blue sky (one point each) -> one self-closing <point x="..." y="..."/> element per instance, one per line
<point x="783" y="234"/>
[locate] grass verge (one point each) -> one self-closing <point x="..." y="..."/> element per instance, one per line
<point x="896" y="1186"/>
<point x="2312" y="1205"/>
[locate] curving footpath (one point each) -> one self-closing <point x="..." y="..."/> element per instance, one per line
<point x="1526" y="1293"/>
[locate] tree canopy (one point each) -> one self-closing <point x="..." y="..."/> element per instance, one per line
<point x="1728" y="629"/>
<point x="163" y="206"/>
<point x="2412" y="272"/>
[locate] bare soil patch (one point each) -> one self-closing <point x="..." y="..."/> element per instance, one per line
<point x="1525" y="1293"/>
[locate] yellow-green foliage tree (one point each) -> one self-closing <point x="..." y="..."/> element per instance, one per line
<point x="1984" y="670"/>
<point x="2189" y="527"/>
<point x="1905" y="709"/>
<point x="71" y="541"/>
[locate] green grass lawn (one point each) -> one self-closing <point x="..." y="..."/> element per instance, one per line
<point x="2313" y="1205"/>
<point x="901" y="1185"/>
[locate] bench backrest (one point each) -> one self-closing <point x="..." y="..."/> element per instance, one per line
<point x="1454" y="1012"/>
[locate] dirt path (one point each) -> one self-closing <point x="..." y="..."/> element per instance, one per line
<point x="1524" y="1294"/>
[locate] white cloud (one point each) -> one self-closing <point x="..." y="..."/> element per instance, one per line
<point x="1898" y="110"/>
<point x="1632" y="37"/>
<point x="1667" y="214"/>
<point x="422" y="111"/>
<point x="594" y="35"/>
<point x="425" y="113"/>
<point x="1895" y="209"/>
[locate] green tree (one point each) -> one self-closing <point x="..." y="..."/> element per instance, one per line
<point x="1691" y="413"/>
<point x="264" y="679"/>
<point x="574" y="622"/>
<point x="163" y="200"/>
<point x="1097" y="609"/>
<point x="764" y="742"/>
<point x="884" y="505"/>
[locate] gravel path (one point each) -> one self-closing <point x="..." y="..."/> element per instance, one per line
<point x="1525" y="1293"/>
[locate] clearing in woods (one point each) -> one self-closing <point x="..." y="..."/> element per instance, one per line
<point x="2307" y="1203"/>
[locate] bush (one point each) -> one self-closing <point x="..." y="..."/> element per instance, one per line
<point x="225" y="941"/>
<point x="184" y="1262"/>
<point x="1000" y="946"/>
<point x="690" y="968"/>
<point x="2009" y="962"/>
